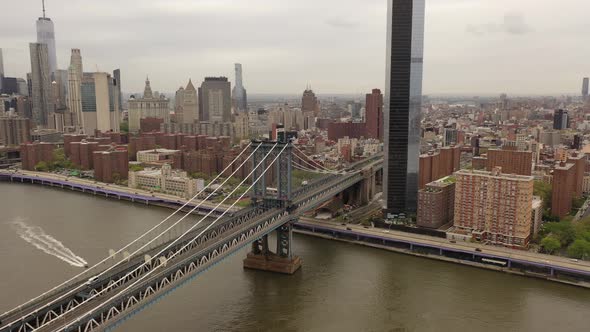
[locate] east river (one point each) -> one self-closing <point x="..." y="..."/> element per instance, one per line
<point x="45" y="233"/>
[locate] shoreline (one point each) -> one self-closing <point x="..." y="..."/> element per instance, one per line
<point x="332" y="232"/>
<point x="111" y="192"/>
<point x="361" y="239"/>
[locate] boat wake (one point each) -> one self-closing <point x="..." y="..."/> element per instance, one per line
<point x="46" y="243"/>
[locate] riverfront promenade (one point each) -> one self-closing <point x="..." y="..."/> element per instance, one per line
<point x="109" y="190"/>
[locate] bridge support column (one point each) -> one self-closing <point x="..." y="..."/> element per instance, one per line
<point x="281" y="261"/>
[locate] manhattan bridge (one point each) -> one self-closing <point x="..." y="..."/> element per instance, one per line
<point x="171" y="253"/>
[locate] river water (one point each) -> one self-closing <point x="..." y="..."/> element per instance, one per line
<point x="44" y="233"/>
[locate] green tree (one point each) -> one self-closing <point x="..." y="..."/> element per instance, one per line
<point x="579" y="249"/>
<point x="42" y="166"/>
<point x="578" y="202"/>
<point x="124" y="127"/>
<point x="543" y="189"/>
<point x="564" y="231"/>
<point x="136" y="168"/>
<point x="116" y="178"/>
<point x="550" y="244"/>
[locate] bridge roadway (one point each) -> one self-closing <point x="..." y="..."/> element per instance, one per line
<point x="217" y="243"/>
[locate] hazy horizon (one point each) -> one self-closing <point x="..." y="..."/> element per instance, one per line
<point x="472" y="47"/>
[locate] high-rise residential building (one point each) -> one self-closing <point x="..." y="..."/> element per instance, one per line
<point x="579" y="160"/>
<point x="148" y="106"/>
<point x="564" y="177"/>
<point x="33" y="153"/>
<point x="310" y="103"/>
<point x="374" y="114"/>
<point x="561" y="120"/>
<point x="585" y="87"/>
<point x="215" y="100"/>
<point x="494" y="207"/>
<point x="403" y="100"/>
<point x="14" y="130"/>
<point x="239" y="96"/>
<point x="436" y="165"/>
<point x="510" y="161"/>
<point x="190" y="104"/>
<point x="42" y="106"/>
<point x="112" y="165"/>
<point x="46" y="35"/>
<point x="99" y="103"/>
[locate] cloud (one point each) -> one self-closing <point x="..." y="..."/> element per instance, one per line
<point x="338" y="22"/>
<point x="512" y="24"/>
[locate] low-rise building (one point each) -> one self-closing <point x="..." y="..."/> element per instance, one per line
<point x="166" y="180"/>
<point x="159" y="156"/>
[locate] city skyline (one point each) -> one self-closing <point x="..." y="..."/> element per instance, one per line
<point x="315" y="53"/>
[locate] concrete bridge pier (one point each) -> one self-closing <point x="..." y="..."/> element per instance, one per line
<point x="280" y="261"/>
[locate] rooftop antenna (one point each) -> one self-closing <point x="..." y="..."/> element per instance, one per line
<point x="43" y="2"/>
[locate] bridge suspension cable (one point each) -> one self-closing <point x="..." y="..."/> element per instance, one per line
<point x="307" y="169"/>
<point x="262" y="161"/>
<point x="86" y="272"/>
<point x="312" y="164"/>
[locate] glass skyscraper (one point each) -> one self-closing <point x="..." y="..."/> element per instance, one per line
<point x="403" y="101"/>
<point x="46" y="35"/>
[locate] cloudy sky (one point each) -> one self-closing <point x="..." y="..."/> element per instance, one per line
<point x="338" y="46"/>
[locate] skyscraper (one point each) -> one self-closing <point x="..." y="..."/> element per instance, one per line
<point x="76" y="62"/>
<point x="309" y="102"/>
<point x="403" y="99"/>
<point x="239" y="95"/>
<point x="1" y="70"/>
<point x="117" y="77"/>
<point x="374" y="114"/>
<point x="46" y="35"/>
<point x="215" y="100"/>
<point x="99" y="109"/>
<point x="560" y="119"/>
<point x="42" y="106"/>
<point x="585" y="85"/>
<point x="74" y="100"/>
<point x="190" y="105"/>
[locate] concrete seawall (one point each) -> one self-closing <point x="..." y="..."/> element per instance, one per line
<point x="478" y="260"/>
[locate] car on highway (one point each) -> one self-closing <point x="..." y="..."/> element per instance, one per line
<point x="91" y="280"/>
<point x="574" y="260"/>
<point x="477" y="249"/>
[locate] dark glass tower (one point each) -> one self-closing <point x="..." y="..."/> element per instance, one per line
<point x="403" y="101"/>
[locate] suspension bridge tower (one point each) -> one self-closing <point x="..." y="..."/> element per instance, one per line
<point x="262" y="257"/>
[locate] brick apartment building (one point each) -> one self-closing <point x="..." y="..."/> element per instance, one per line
<point x="436" y="203"/>
<point x="34" y="153"/>
<point x="494" y="207"/>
